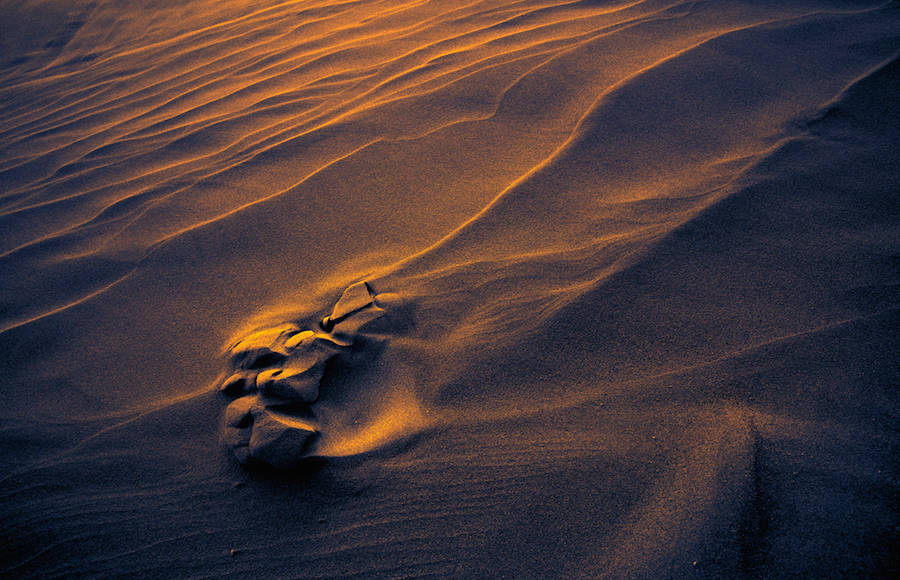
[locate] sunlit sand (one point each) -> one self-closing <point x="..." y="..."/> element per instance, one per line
<point x="481" y="289"/>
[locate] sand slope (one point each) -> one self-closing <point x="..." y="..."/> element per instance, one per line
<point x="648" y="253"/>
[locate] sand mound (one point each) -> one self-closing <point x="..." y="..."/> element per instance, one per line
<point x="276" y="373"/>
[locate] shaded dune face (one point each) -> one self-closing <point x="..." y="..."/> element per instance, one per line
<point x="535" y="289"/>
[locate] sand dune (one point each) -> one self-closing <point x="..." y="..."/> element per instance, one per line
<point x="631" y="303"/>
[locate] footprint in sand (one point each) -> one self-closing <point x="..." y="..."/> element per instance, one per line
<point x="276" y="376"/>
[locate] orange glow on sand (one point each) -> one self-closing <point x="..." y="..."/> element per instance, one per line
<point x="481" y="288"/>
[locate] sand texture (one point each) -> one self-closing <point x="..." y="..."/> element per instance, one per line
<point x="449" y="289"/>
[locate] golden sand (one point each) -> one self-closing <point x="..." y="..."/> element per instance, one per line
<point x="630" y="309"/>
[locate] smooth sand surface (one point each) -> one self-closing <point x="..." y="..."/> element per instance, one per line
<point x="640" y="259"/>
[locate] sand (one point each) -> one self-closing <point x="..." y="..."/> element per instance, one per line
<point x="623" y="289"/>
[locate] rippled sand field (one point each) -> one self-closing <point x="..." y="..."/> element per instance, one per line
<point x="643" y="260"/>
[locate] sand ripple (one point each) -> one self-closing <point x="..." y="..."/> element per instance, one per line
<point x="646" y="250"/>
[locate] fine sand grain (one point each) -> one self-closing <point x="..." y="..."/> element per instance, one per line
<point x="481" y="289"/>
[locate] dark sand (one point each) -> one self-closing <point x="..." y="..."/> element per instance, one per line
<point x="645" y="258"/>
